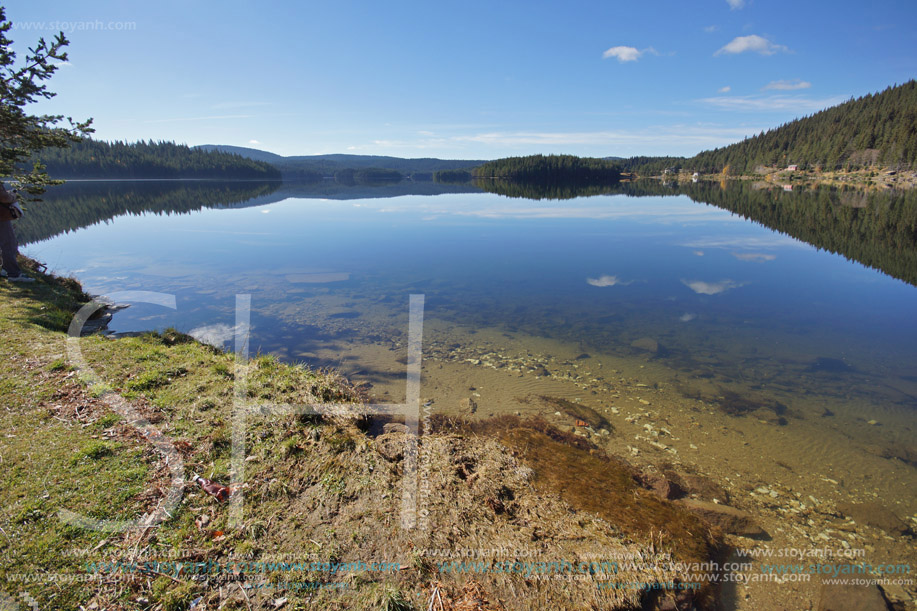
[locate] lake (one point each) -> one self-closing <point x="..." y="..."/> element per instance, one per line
<point x="708" y="340"/>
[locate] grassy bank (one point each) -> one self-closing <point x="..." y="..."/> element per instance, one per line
<point x="322" y="490"/>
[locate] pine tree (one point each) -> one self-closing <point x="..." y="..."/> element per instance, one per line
<point x="21" y="133"/>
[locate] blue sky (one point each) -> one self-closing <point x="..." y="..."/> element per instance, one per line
<point x="465" y="79"/>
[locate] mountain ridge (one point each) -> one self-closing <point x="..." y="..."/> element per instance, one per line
<point x="338" y="161"/>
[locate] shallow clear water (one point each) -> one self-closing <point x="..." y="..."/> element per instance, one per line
<point x="711" y="344"/>
<point x="727" y="301"/>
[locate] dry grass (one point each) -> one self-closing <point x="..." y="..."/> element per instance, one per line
<point x="316" y="490"/>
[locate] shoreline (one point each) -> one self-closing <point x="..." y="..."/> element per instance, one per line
<point x="159" y="370"/>
<point x="316" y="470"/>
<point x="862" y="180"/>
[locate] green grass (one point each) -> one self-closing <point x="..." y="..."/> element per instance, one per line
<point x="56" y="454"/>
<point x="315" y="486"/>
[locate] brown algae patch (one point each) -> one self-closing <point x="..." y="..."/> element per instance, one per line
<point x="587" y="479"/>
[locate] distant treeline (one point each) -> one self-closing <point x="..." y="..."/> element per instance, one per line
<point x="556" y="170"/>
<point x="875" y="130"/>
<point x="654" y="166"/>
<point x="122" y="160"/>
<point x="75" y="205"/>
<point x="350" y="176"/>
<point x="452" y="176"/>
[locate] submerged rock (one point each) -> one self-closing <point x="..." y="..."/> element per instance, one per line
<point x="848" y="597"/>
<point x="875" y="515"/>
<point x="729" y="519"/>
<point x="666" y="488"/>
<point x="904" y="453"/>
<point x="468" y="405"/>
<point x="646" y="343"/>
<point x="704" y="487"/>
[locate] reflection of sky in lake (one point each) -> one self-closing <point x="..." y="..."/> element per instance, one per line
<point x="657" y="264"/>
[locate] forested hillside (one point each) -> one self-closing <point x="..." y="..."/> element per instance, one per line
<point x="98" y="159"/>
<point x="875" y="130"/>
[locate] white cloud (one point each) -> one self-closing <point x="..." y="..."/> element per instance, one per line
<point x="753" y="43"/>
<point x="788" y="85"/>
<point x="215" y="335"/>
<point x="711" y="28"/>
<point x="711" y="288"/>
<point x="753" y="256"/>
<point x="797" y="104"/>
<point x="725" y="89"/>
<point x="687" y="317"/>
<point x="605" y="281"/>
<point x="253" y="142"/>
<point x="743" y="242"/>
<point x="688" y="135"/>
<point x="623" y="54"/>
<point x="655" y="139"/>
<point x="735" y="4"/>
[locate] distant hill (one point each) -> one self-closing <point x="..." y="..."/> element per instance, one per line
<point x="242" y="151"/>
<point x="329" y="164"/>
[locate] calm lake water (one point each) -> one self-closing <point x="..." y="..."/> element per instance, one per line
<point x="595" y="293"/>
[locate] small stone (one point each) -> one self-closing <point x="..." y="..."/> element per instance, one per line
<point x="468" y="405"/>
